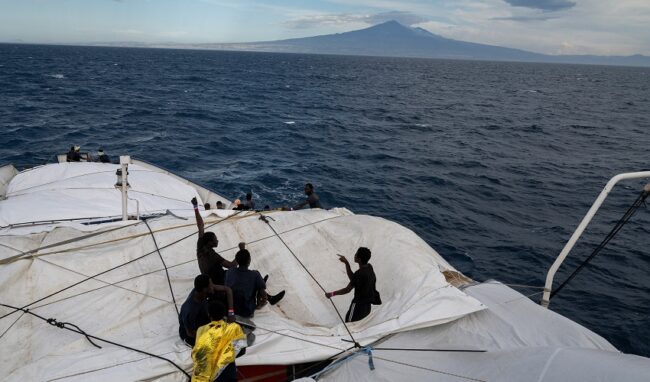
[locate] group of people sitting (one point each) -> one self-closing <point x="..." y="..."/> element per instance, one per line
<point x="312" y="200"/>
<point x="75" y="155"/>
<point x="215" y="317"/>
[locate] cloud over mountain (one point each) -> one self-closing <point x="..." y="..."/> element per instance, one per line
<point x="317" y="20"/>
<point x="546" y="5"/>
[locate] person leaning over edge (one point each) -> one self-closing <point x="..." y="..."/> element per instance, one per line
<point x="363" y="282"/>
<point x="217" y="345"/>
<point x="210" y="262"/>
<point x="312" y="199"/>
<point x="193" y="313"/>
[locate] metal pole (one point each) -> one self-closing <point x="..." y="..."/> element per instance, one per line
<point x="124" y="162"/>
<point x="583" y="224"/>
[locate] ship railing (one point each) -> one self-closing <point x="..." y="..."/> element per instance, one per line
<point x="546" y="298"/>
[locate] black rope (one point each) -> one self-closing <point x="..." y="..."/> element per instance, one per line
<point x="171" y="290"/>
<point x="74" y="328"/>
<point x="434" y="350"/>
<point x="640" y="200"/>
<point x="111" y="269"/>
<point x="265" y="220"/>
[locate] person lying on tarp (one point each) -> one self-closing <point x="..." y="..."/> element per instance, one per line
<point x="193" y="312"/>
<point x="217" y="345"/>
<point x="210" y="262"/>
<point x="363" y="282"/>
<point x="248" y="286"/>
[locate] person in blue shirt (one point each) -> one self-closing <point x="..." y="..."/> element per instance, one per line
<point x="248" y="286"/>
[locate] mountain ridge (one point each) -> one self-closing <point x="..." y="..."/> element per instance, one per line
<point x="393" y="39"/>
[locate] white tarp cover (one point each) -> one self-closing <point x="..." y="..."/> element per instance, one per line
<point x="524" y="342"/>
<point x="132" y="303"/>
<point x="87" y="190"/>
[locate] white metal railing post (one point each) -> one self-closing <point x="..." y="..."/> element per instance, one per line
<point x="124" y="162"/>
<point x="583" y="224"/>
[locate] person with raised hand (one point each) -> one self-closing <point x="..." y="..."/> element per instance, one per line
<point x="363" y="282"/>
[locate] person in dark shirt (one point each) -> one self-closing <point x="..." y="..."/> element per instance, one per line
<point x="102" y="157"/>
<point x="249" y="203"/>
<point x="210" y="262"/>
<point x="193" y="312"/>
<point x="363" y="282"/>
<point x="312" y="199"/>
<point x="74" y="154"/>
<point x="248" y="286"/>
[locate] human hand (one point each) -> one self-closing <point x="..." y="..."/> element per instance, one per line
<point x="195" y="203"/>
<point x="329" y="294"/>
<point x="342" y="259"/>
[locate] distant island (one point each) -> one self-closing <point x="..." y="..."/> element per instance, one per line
<point x="393" y="39"/>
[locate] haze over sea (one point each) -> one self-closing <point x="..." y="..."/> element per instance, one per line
<point x="493" y="164"/>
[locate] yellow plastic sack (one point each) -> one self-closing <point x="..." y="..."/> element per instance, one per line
<point x="217" y="344"/>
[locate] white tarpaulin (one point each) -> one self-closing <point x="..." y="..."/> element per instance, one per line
<point x="523" y="342"/>
<point x="130" y="301"/>
<point x="87" y="190"/>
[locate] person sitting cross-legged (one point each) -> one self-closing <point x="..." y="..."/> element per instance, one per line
<point x="248" y="286"/>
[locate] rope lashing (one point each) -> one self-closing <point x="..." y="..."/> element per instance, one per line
<point x="75" y="329"/>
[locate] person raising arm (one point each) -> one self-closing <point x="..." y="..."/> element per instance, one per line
<point x="210" y="262"/>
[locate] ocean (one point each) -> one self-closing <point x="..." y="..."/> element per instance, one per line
<point x="494" y="164"/>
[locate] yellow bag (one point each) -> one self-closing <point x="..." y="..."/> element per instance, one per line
<point x="217" y="345"/>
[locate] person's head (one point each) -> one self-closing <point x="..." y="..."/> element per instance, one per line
<point x="100" y="151"/>
<point x="243" y="258"/>
<point x="249" y="196"/>
<point x="71" y="148"/>
<point x="362" y="256"/>
<point x="219" y="205"/>
<point x="216" y="310"/>
<point x="309" y="189"/>
<point x="77" y="148"/>
<point x="267" y="208"/>
<point x="202" y="286"/>
<point x="206" y="206"/>
<point x="208" y="240"/>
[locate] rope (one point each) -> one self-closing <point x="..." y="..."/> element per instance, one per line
<point x="74" y="328"/>
<point x="113" y="268"/>
<point x="640" y="200"/>
<point x="431" y="370"/>
<point x="171" y="290"/>
<point x="255" y="326"/>
<point x="435" y="350"/>
<point x="265" y="220"/>
<point x="174" y="266"/>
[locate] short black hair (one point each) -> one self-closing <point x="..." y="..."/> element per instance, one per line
<point x="216" y="310"/>
<point x="201" y="282"/>
<point x="310" y="186"/>
<point x="243" y="257"/>
<point x="206" y="206"/>
<point x="249" y="196"/>
<point x="364" y="255"/>
<point x="219" y="203"/>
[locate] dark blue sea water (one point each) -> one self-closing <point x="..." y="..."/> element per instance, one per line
<point x="493" y="164"/>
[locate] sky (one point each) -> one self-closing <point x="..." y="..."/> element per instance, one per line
<point x="602" y="27"/>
